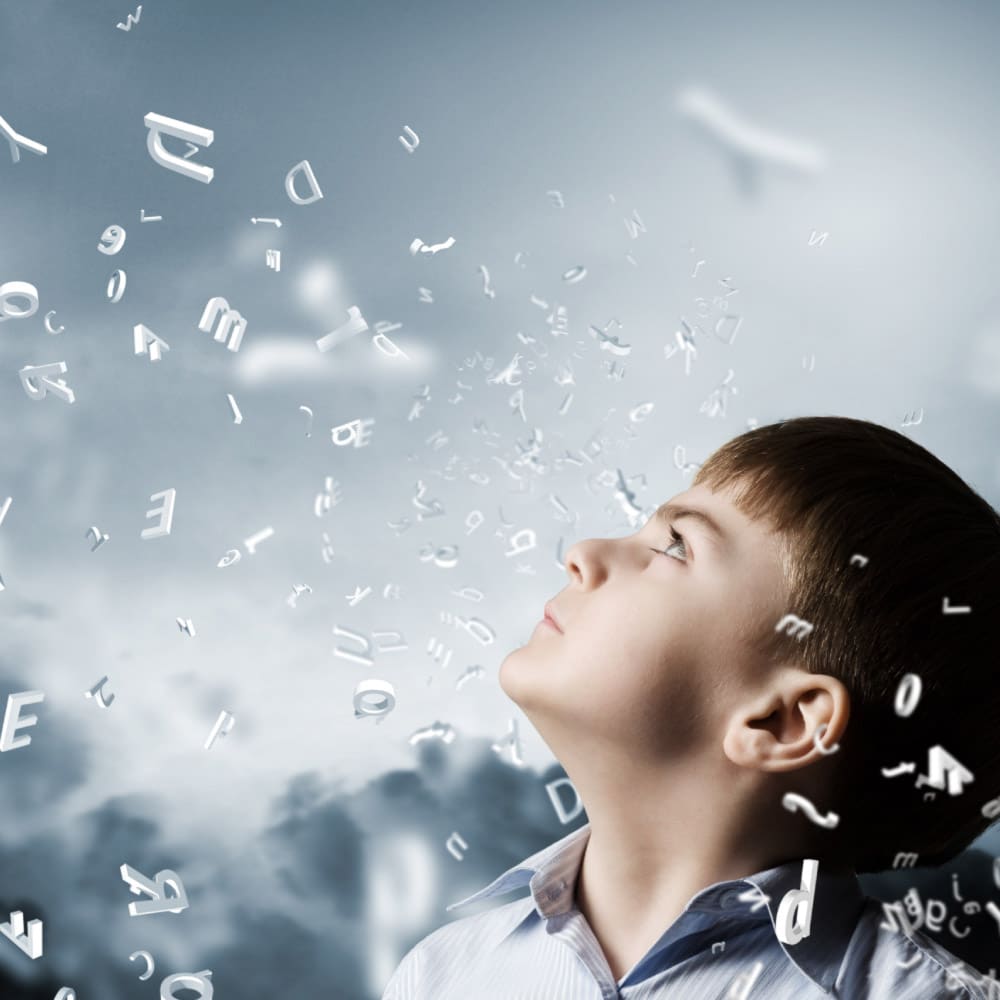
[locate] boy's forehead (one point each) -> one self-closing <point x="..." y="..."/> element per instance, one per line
<point x="722" y="499"/>
<point x="718" y="504"/>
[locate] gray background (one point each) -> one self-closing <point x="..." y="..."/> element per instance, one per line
<point x="311" y="843"/>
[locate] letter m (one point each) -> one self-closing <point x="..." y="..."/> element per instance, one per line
<point x="218" y="307"/>
<point x="794" y="622"/>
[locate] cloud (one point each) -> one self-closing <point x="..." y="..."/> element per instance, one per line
<point x="338" y="885"/>
<point x="321" y="288"/>
<point x="270" y="359"/>
<point x="36" y="777"/>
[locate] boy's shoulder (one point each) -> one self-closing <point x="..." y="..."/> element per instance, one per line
<point x="882" y="959"/>
<point x="447" y="951"/>
<point x="486" y="928"/>
<point x="909" y="962"/>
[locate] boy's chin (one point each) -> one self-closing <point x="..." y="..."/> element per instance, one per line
<point x="505" y="674"/>
<point x="519" y="669"/>
<point x="526" y="679"/>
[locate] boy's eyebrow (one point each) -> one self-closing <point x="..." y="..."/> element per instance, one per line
<point x="672" y="511"/>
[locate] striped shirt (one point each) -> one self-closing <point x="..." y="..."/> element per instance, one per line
<point x="723" y="945"/>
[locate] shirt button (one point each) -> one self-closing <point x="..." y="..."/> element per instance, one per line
<point x="556" y="890"/>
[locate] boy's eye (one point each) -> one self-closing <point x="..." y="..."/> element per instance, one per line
<point x="675" y="539"/>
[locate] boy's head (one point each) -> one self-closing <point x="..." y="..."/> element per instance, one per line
<point x="673" y="655"/>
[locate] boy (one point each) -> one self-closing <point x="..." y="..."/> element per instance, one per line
<point x="725" y="688"/>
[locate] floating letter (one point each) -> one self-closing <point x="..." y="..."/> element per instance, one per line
<point x="382" y="704"/>
<point x="939" y="762"/>
<point x="795" y="909"/>
<point x="907" y="695"/>
<point x="224" y="719"/>
<point x="455" y="844"/>
<point x="30" y="943"/>
<point x="97" y="693"/>
<point x="116" y="286"/>
<point x="16" y="139"/>
<point x="150" y="964"/>
<point x="18" y="290"/>
<point x="355" y="324"/>
<point x="166" y="513"/>
<point x="414" y="139"/>
<point x="794" y="622"/>
<point x="158" y="124"/>
<point x="155" y="887"/>
<point x="792" y="801"/>
<point x="219" y="307"/>
<point x="30" y="373"/>
<point x="143" y="336"/>
<point x="310" y="178"/>
<point x="112" y="240"/>
<point x="200" y="981"/>
<point x="12" y="721"/>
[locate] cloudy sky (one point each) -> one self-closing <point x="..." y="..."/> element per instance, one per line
<point x="610" y="175"/>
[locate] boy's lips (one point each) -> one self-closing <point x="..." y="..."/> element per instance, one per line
<point x="551" y="617"/>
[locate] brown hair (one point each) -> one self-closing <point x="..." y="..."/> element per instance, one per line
<point x="834" y="487"/>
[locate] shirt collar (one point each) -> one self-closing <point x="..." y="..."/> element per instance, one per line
<point x="837" y="900"/>
<point x="543" y="871"/>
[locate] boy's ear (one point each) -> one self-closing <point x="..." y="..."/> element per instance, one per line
<point x="774" y="729"/>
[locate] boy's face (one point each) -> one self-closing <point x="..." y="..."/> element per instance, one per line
<point x="654" y="652"/>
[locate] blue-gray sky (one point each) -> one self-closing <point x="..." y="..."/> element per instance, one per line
<point x="894" y="313"/>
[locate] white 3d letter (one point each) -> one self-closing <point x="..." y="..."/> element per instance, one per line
<point x="30" y="943"/>
<point x="310" y="177"/>
<point x="195" y="134"/>
<point x="45" y="385"/>
<point x="22" y="290"/>
<point x="143" y="336"/>
<point x="218" y="308"/>
<point x="791" y="930"/>
<point x="940" y="763"/>
<point x="166" y="512"/>
<point x="12" y="720"/>
<point x="155" y="887"/>
<point x="200" y="981"/>
<point x="226" y="720"/>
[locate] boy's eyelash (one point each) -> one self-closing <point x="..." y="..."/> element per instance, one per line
<point x="674" y="539"/>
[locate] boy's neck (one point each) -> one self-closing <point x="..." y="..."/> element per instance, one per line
<point x="656" y="841"/>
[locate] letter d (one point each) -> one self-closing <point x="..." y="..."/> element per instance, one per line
<point x="797" y="903"/>
<point x="565" y="816"/>
<point x="310" y="179"/>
